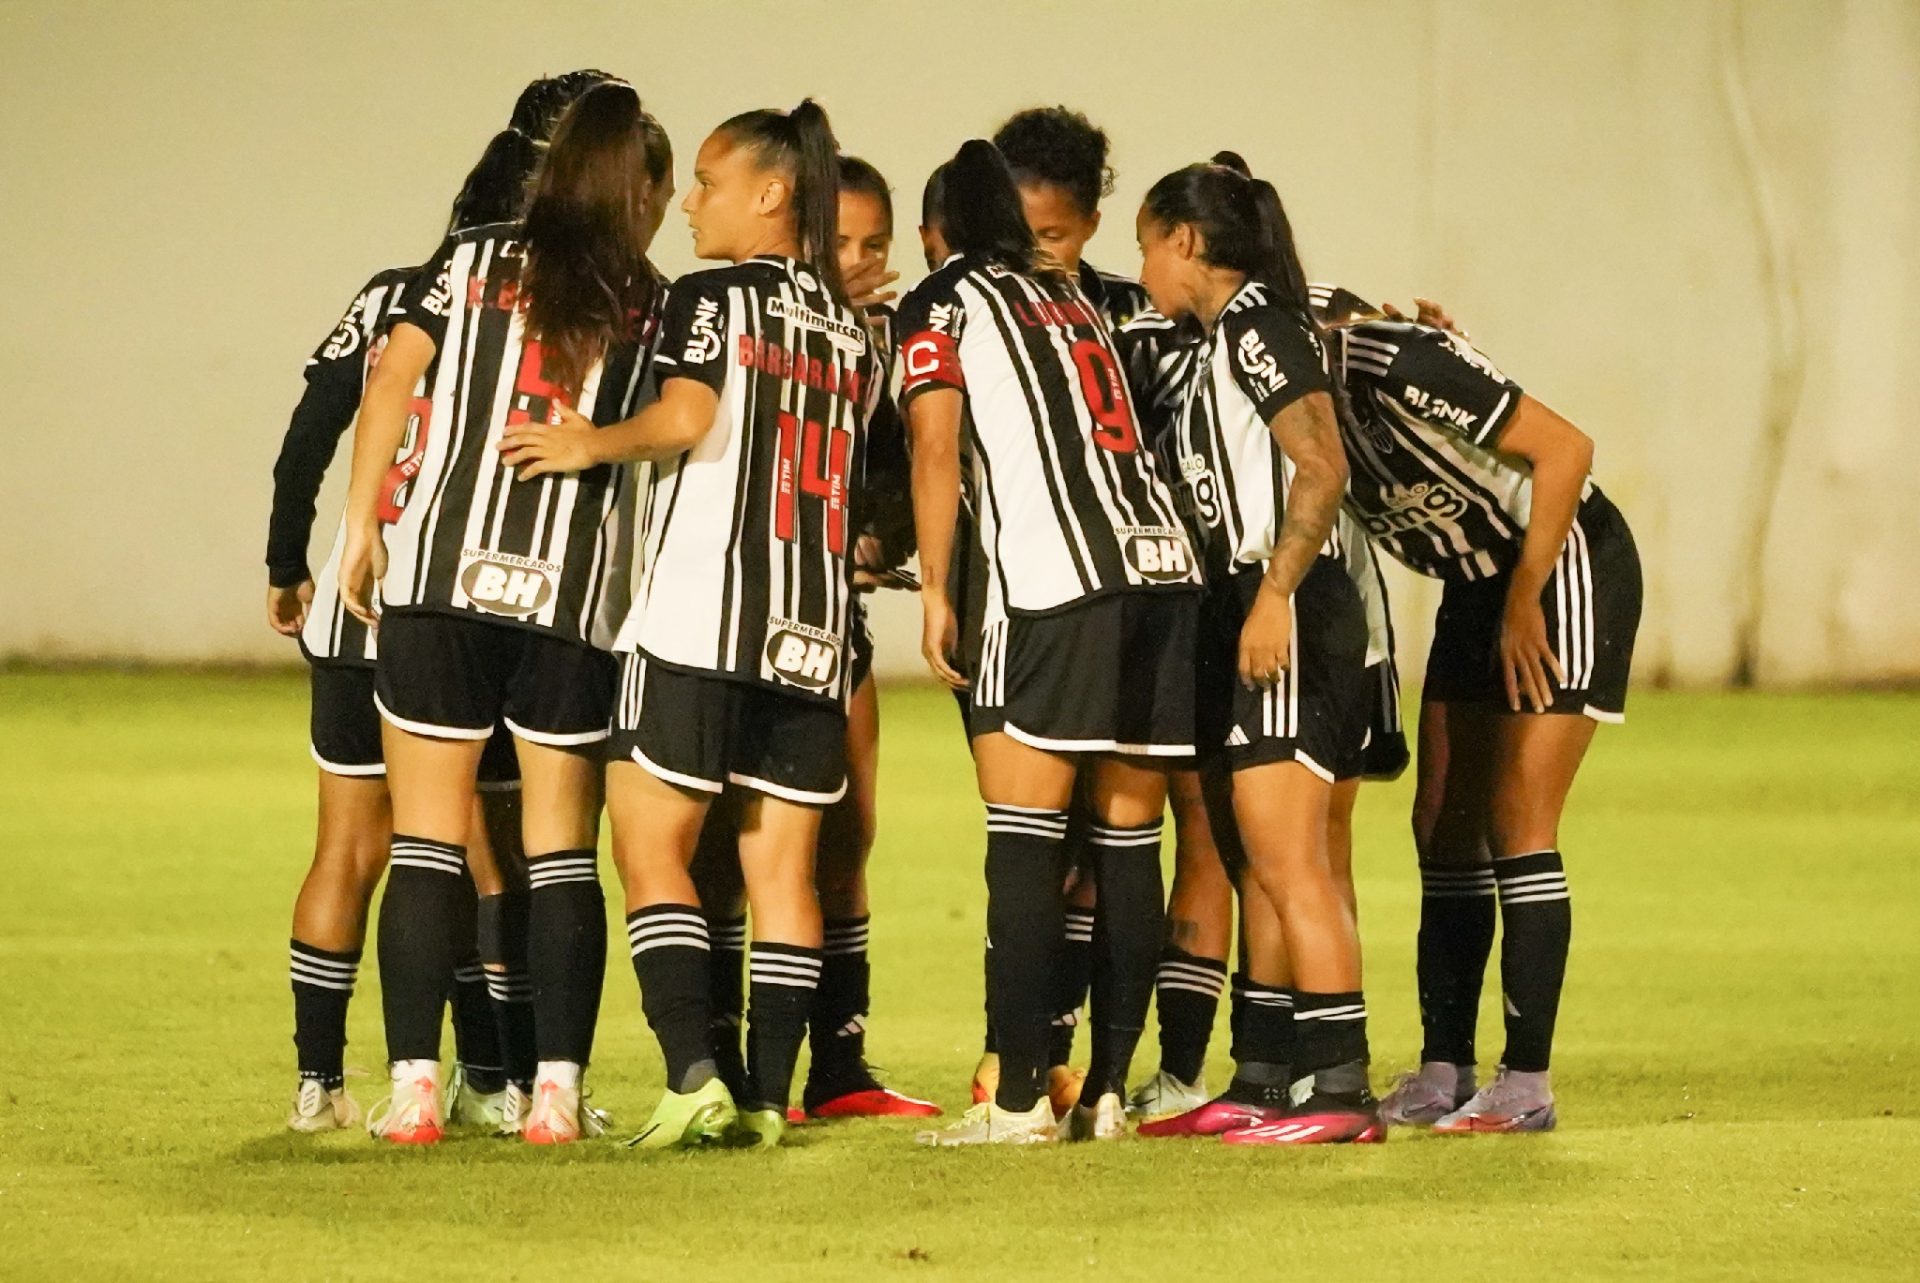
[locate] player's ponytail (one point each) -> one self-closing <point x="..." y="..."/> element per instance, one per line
<point x="496" y="186"/>
<point x="800" y="143"/>
<point x="1242" y="223"/>
<point x="981" y="215"/>
<point x="587" y="277"/>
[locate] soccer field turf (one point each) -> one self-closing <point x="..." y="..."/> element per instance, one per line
<point x="1737" y="1053"/>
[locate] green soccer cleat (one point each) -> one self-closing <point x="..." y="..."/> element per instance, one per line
<point x="685" y="1120"/>
<point x="758" y="1128"/>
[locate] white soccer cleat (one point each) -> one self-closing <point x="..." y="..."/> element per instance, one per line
<point x="484" y="1111"/>
<point x="1164" y="1096"/>
<point x="514" y="1110"/>
<point x="315" y="1109"/>
<point x="1426" y="1095"/>
<point x="558" y="1115"/>
<point x="988" y="1124"/>
<point x="412" y="1114"/>
<point x="1106" y="1120"/>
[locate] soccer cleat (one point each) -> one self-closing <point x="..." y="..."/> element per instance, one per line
<point x="1422" y="1097"/>
<point x="1163" y="1096"/>
<point x="1063" y="1088"/>
<point x="988" y="1124"/>
<point x="1512" y="1102"/>
<point x="1105" y="1119"/>
<point x="315" y="1109"/>
<point x="702" y="1116"/>
<point x="986" y="1077"/>
<point x="411" y="1115"/>
<point x="514" y="1108"/>
<point x="469" y="1108"/>
<point x="757" y="1128"/>
<point x="1321" y="1119"/>
<point x="554" y="1118"/>
<point x="1216" y="1117"/>
<point x="873" y="1102"/>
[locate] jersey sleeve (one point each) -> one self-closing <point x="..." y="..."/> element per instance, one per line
<point x="929" y="327"/>
<point x="692" y="342"/>
<point x="1274" y="358"/>
<point x="426" y="299"/>
<point x="1436" y="376"/>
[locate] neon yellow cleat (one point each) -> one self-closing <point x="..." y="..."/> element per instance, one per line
<point x="682" y="1120"/>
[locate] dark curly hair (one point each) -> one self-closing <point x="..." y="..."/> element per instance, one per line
<point x="538" y="110"/>
<point x="1060" y="146"/>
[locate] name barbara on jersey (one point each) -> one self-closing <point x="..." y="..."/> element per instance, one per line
<point x="1416" y="505"/>
<point x="771" y="359"/>
<point x="802" y="654"/>
<point x="503" y="584"/>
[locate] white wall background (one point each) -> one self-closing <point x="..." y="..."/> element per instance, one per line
<point x="1693" y="227"/>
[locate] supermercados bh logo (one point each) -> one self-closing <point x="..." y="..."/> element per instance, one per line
<point x="802" y="655"/>
<point x="703" y="336"/>
<point x="1259" y="366"/>
<point x="1158" y="553"/>
<point x="1416" y="505"/>
<point x="503" y="584"/>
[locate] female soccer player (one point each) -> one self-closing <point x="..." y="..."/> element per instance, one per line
<point x="736" y="653"/>
<point x="1088" y="634"/>
<point x="1260" y="452"/>
<point x="1464" y="477"/>
<point x="493" y="587"/>
<point x="329" y="917"/>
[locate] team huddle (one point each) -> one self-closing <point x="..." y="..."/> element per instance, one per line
<point x="607" y="543"/>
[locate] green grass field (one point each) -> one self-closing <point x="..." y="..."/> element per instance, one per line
<point x="1737" y="1060"/>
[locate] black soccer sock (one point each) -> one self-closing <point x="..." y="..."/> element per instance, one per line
<point x="476" y="1037"/>
<point x="1536" y="912"/>
<point x="566" y="952"/>
<point x="989" y="1045"/>
<point x="426" y="881"/>
<point x="1132" y="925"/>
<point x="670" y="960"/>
<point x="502" y="939"/>
<point x="1237" y="1014"/>
<point x="1187" y="994"/>
<point x="1456" y="939"/>
<point x="322" y="986"/>
<point x="1265" y="1044"/>
<point x="1330" y="1028"/>
<point x="837" y="1025"/>
<point x="783" y="979"/>
<point x="727" y="1000"/>
<point x="1076" y="981"/>
<point x="1026" y="928"/>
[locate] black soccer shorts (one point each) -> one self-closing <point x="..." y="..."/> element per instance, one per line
<point x="450" y="677"/>
<point x="1592" y="604"/>
<point x="1317" y="713"/>
<point x="704" y="732"/>
<point x="345" y="730"/>
<point x="1113" y="674"/>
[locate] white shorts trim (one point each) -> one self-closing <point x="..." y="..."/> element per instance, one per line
<point x="351" y="772"/>
<point x="431" y="731"/>
<point x="675" y="777"/>
<point x="1602" y="715"/>
<point x="786" y="794"/>
<point x="552" y="740"/>
<point x="1097" y="746"/>
<point x="1314" y="766"/>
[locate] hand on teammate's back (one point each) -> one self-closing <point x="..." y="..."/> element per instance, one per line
<point x="539" y="448"/>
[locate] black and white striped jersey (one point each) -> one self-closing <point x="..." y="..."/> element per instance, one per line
<point x="1260" y="358"/>
<point x="1426" y="478"/>
<point x="1067" y="501"/>
<point x="1119" y="298"/>
<point x="336" y="374"/>
<point x="470" y="538"/>
<point x="748" y="537"/>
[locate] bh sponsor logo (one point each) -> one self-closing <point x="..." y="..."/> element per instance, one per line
<point x="1158" y="554"/>
<point x="802" y="655"/>
<point x="501" y="584"/>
